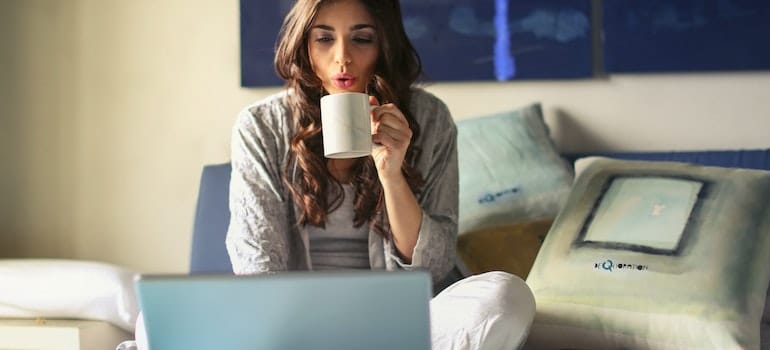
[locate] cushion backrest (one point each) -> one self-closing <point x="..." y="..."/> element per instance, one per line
<point x="212" y="216"/>
<point x="749" y="159"/>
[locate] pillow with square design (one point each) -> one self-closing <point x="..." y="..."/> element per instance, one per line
<point x="655" y="255"/>
<point x="509" y="170"/>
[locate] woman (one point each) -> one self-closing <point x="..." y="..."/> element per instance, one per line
<point x="293" y="209"/>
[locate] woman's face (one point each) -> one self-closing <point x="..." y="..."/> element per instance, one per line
<point x="343" y="46"/>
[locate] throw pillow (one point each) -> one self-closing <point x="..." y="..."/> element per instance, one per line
<point x="509" y="170"/>
<point x="511" y="248"/>
<point x="58" y="288"/>
<point x="657" y="255"/>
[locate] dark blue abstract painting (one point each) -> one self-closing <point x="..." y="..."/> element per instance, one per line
<point x="260" y="22"/>
<point x="457" y="40"/>
<point x="500" y="39"/>
<point x="686" y="35"/>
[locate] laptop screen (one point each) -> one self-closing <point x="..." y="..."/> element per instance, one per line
<point x="290" y="310"/>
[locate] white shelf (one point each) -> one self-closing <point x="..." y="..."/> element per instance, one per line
<point x="47" y="334"/>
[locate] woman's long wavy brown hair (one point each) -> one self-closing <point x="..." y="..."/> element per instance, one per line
<point x="306" y="174"/>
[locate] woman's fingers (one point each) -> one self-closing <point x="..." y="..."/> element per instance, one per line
<point x="390" y="122"/>
<point x="390" y="115"/>
<point x="397" y="135"/>
<point x="390" y="129"/>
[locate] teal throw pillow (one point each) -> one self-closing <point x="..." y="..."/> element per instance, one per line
<point x="510" y="170"/>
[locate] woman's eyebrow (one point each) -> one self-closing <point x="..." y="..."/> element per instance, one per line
<point x="353" y="27"/>
<point x="362" y="26"/>
<point x="323" y="27"/>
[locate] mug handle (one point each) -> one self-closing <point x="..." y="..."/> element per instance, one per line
<point x="374" y="145"/>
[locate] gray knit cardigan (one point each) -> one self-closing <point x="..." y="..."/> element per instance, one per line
<point x="263" y="235"/>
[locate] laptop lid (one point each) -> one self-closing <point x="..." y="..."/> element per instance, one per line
<point x="290" y="310"/>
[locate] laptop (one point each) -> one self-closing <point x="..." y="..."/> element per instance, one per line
<point x="290" y="310"/>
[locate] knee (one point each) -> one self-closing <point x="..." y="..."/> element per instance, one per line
<point x="512" y="293"/>
<point x="515" y="305"/>
<point x="498" y="309"/>
<point x="496" y="292"/>
<point x="501" y="287"/>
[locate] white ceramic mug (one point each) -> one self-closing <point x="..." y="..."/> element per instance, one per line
<point x="346" y="125"/>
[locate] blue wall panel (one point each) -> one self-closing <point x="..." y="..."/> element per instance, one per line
<point x="686" y="35"/>
<point x="458" y="40"/>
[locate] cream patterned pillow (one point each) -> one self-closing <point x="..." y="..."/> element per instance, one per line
<point x="655" y="255"/>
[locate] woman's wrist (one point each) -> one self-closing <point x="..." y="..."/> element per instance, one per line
<point x="394" y="182"/>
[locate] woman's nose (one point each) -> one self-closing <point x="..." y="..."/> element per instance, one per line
<point x="343" y="61"/>
<point x="342" y="56"/>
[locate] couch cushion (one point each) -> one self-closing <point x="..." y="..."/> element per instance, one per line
<point x="655" y="255"/>
<point x="212" y="216"/>
<point x="509" y="170"/>
<point x="511" y="248"/>
<point x="738" y="158"/>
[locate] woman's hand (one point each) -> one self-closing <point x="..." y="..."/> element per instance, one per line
<point x="391" y="131"/>
<point x="391" y="135"/>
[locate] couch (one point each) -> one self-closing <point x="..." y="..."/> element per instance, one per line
<point x="525" y="208"/>
<point x="209" y="254"/>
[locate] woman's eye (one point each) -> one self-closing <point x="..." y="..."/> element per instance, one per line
<point x="324" y="39"/>
<point x="363" y="40"/>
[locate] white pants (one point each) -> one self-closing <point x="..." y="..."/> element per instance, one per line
<point x="491" y="311"/>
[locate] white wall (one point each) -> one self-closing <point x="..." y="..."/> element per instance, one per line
<point x="635" y="112"/>
<point x="110" y="108"/>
